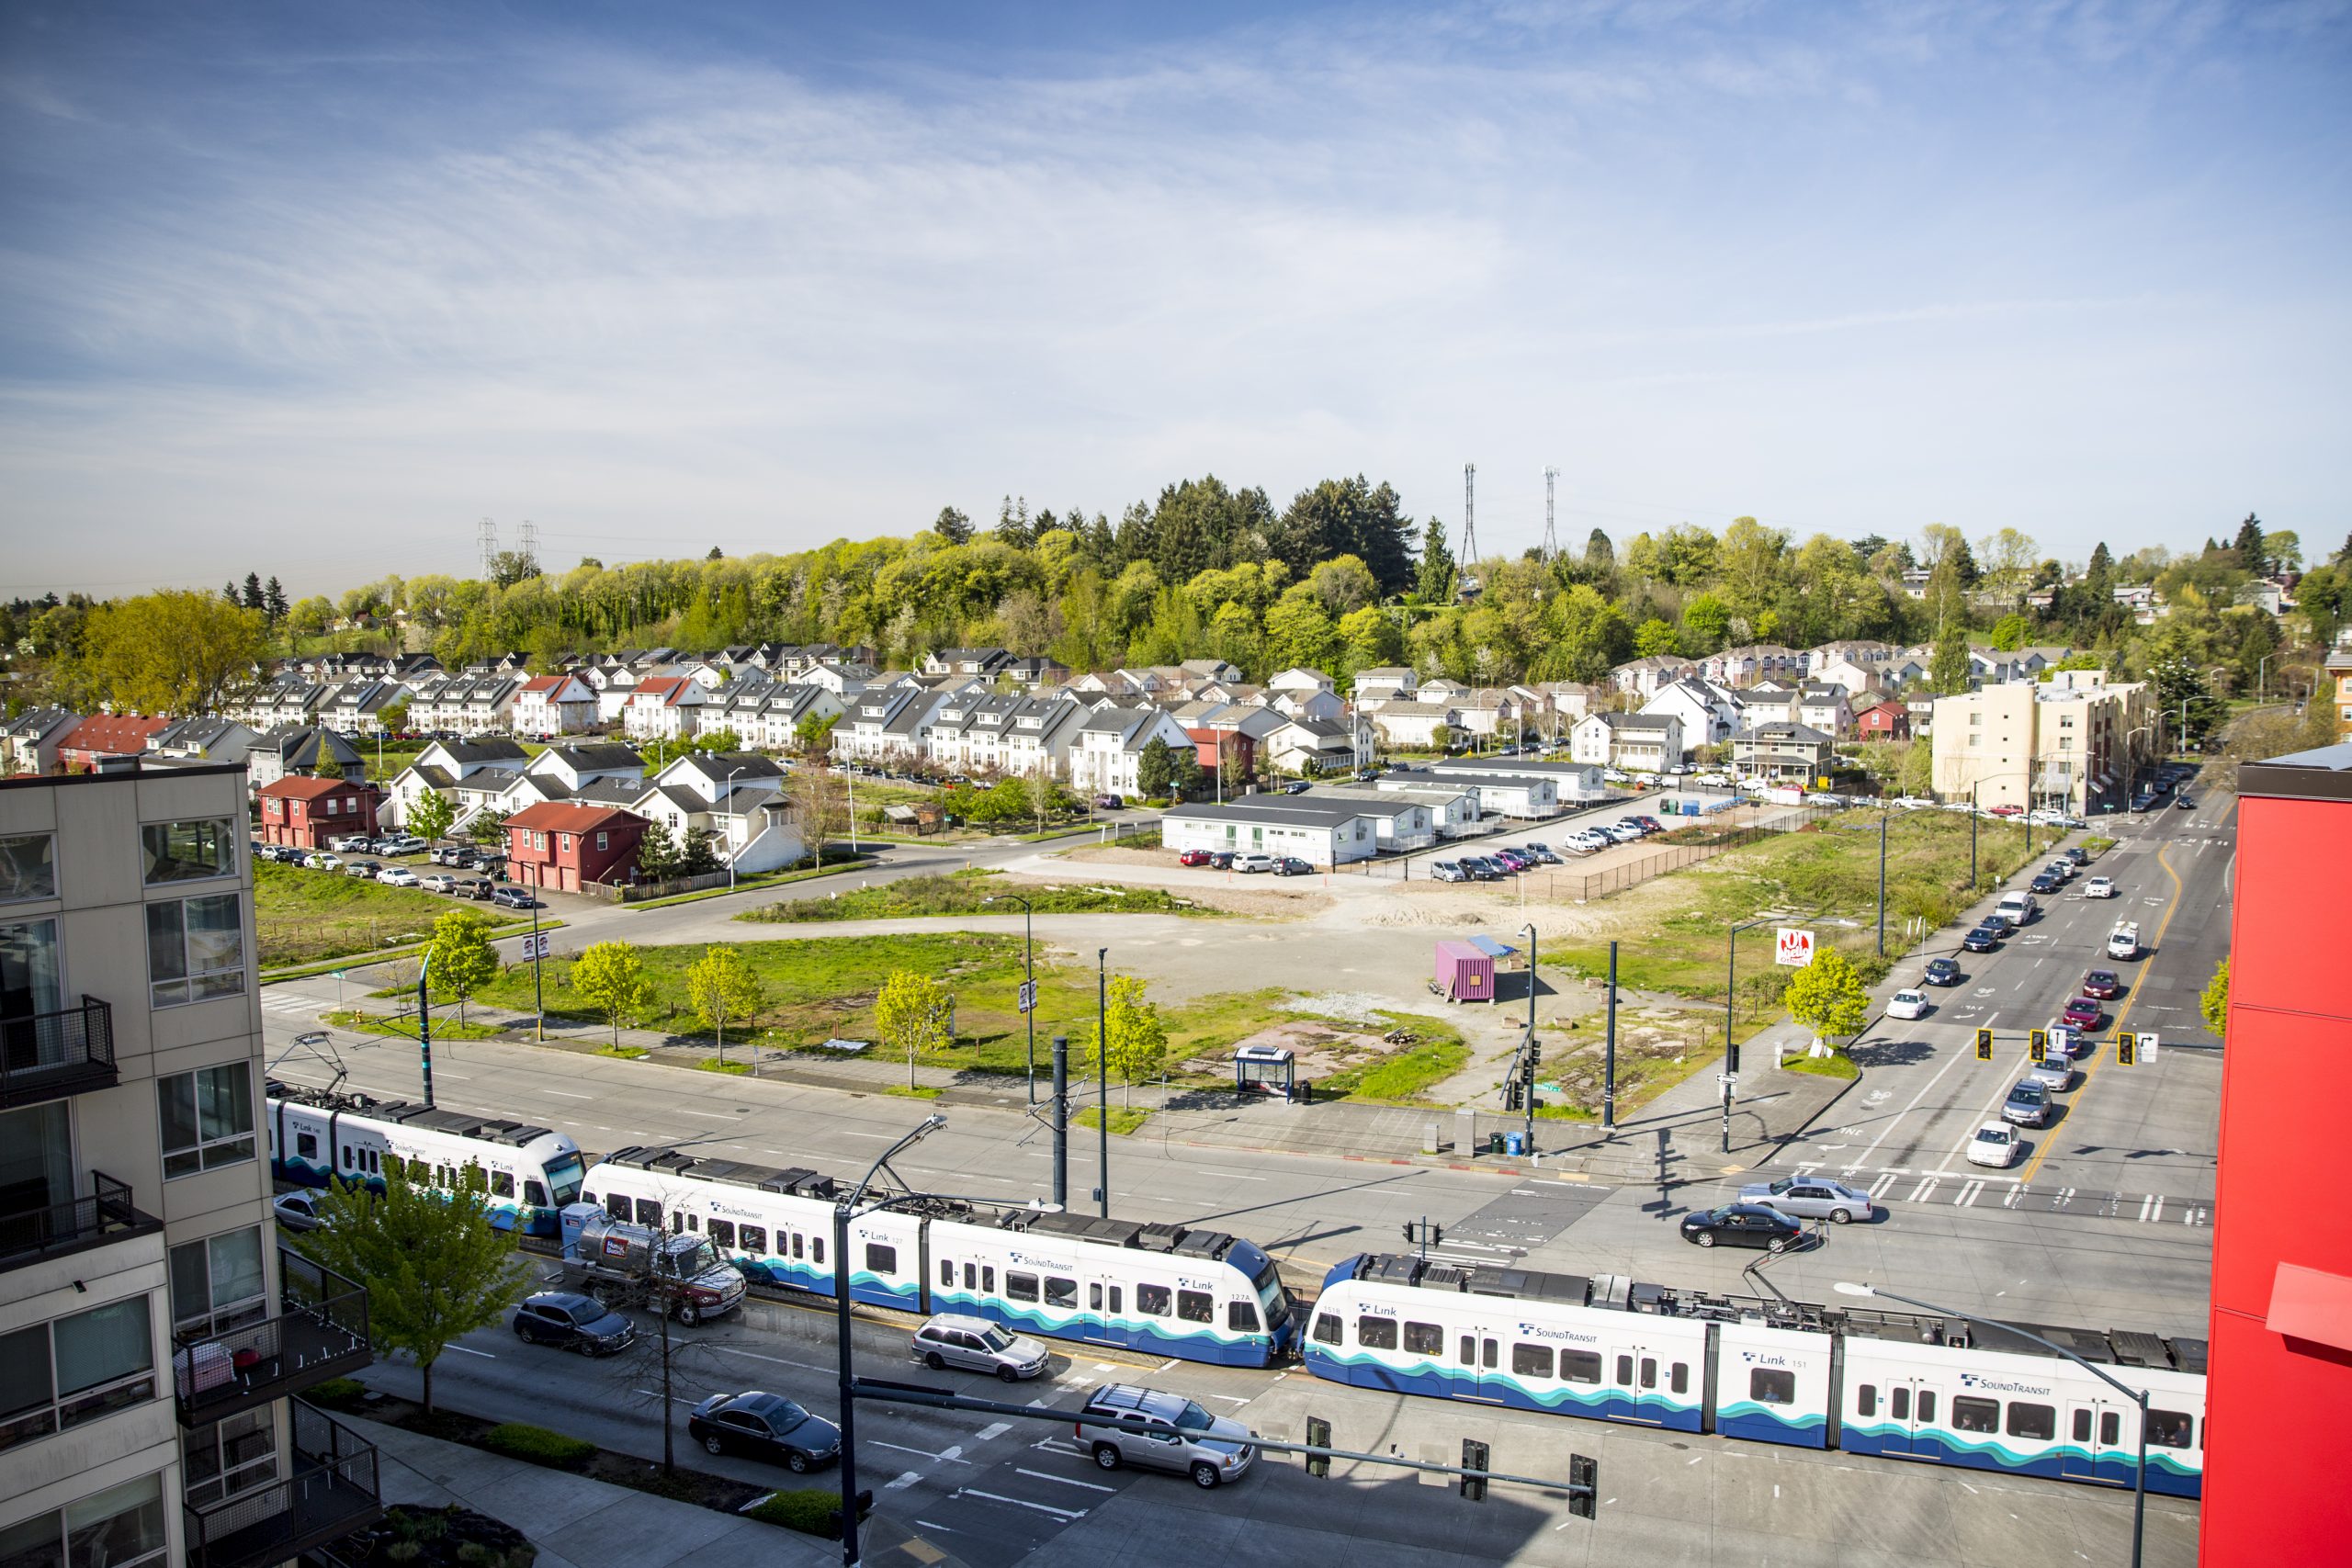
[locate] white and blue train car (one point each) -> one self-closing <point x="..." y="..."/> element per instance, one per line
<point x="528" y="1173"/>
<point x="1996" y="1403"/>
<point x="1199" y="1296"/>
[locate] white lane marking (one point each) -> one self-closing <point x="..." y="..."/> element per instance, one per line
<point x="779" y="1360"/>
<point x="1893" y="1122"/>
<point x="1022" y="1503"/>
<point x="568" y="1094"/>
<point x="993" y="1429"/>
<point x="949" y="1455"/>
<point x="1057" y="1446"/>
<point x="468" y="1350"/>
<point x="710" y="1115"/>
<point x="1066" y="1481"/>
<point x="905" y="1478"/>
<point x="884" y="1136"/>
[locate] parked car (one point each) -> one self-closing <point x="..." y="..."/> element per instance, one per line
<point x="459" y="856"/>
<point x="397" y="876"/>
<point x="2100" y="887"/>
<point x="2044" y="882"/>
<point x="403" y="844"/>
<point x="1221" y="860"/>
<point x="478" y="889"/>
<point x="2028" y="1105"/>
<point x="1907" y="1004"/>
<point x="439" y="882"/>
<point x="2056" y="1075"/>
<point x="1249" y="864"/>
<point x="976" y="1345"/>
<point x="1447" y="871"/>
<point x="1194" y="857"/>
<point x="317" y="862"/>
<point x="1542" y="853"/>
<point x="1297" y="787"/>
<point x="512" y="898"/>
<point x="1512" y="860"/>
<point x="1110" y="803"/>
<point x="764" y="1426"/>
<point x="2062" y="868"/>
<point x="1942" y="971"/>
<point x="1291" y="865"/>
<point x="1478" y="868"/>
<point x="351" y="843"/>
<point x="2102" y="984"/>
<point x="367" y="868"/>
<point x="2184" y="804"/>
<point x="1647" y="824"/>
<point x="1741" y="1225"/>
<point x="572" y="1322"/>
<point x="1183" y="1438"/>
<point x="297" y="1211"/>
<point x="1809" y="1198"/>
<point x="1993" y="1143"/>
<point x="2083" y="1013"/>
<point x="2074" y="854"/>
<point x="1983" y="938"/>
<point x="2000" y="921"/>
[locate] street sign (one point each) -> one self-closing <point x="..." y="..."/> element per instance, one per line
<point x="339" y="974"/>
<point x="1028" y="996"/>
<point x="2147" y="1048"/>
<point x="1791" y="947"/>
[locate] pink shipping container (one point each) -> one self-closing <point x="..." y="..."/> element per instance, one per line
<point x="1464" y="973"/>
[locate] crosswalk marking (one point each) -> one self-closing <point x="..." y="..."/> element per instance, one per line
<point x="1968" y="1191"/>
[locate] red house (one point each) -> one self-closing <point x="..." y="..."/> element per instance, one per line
<point x="104" y="735"/>
<point x="566" y="847"/>
<point x="309" y="813"/>
<point x="1889" y="720"/>
<point x="2281" y="1339"/>
<point x="1240" y="749"/>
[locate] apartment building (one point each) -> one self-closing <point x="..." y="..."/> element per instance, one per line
<point x="153" y="1336"/>
<point x="2074" y="743"/>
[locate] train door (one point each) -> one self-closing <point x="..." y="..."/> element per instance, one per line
<point x="1913" y="1408"/>
<point x="1105" y="1310"/>
<point x="1639" y="1371"/>
<point x="1477" y="1365"/>
<point x="2094" y="1436"/>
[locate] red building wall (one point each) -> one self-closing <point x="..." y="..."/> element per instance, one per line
<point x="2279" y="1402"/>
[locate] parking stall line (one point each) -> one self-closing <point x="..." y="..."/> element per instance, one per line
<point x="1065" y="1480"/>
<point x="1063" y="1514"/>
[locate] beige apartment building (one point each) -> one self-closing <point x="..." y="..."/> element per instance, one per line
<point x="2072" y="743"/>
<point x="151" y="1333"/>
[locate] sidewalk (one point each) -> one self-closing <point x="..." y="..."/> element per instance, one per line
<point x="579" y="1523"/>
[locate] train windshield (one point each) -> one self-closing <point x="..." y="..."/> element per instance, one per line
<point x="1271" y="1294"/>
<point x="564" y="1177"/>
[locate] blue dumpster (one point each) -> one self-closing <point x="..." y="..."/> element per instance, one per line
<point x="1514" y="1142"/>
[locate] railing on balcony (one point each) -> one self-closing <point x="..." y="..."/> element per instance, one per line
<point x="332" y="1491"/>
<point x="46" y="1055"/>
<point x="30" y="1235"/>
<point x="320" y="1331"/>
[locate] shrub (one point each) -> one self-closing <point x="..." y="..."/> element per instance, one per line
<point x="712" y="1064"/>
<point x="518" y="1440"/>
<point x="807" y="1510"/>
<point x="337" y="1393"/>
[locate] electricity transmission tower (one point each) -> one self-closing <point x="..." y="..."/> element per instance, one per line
<point x="1468" y="554"/>
<point x="1550" y="529"/>
<point x="486" y="536"/>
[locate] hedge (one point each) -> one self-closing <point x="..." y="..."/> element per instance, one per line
<point x="518" y="1440"/>
<point x="807" y="1510"/>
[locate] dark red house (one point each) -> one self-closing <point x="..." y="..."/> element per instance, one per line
<point x="1889" y="720"/>
<point x="566" y="847"/>
<point x="102" y="735"/>
<point x="309" y="813"/>
<point x="1240" y="750"/>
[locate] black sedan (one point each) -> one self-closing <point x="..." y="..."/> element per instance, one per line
<point x="2045" y="883"/>
<point x="1741" y="1225"/>
<point x="1983" y="938"/>
<point x="764" y="1426"/>
<point x="1942" y="971"/>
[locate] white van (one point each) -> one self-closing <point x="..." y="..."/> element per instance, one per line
<point x="2019" y="905"/>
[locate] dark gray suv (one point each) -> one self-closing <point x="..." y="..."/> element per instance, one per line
<point x="573" y="1322"/>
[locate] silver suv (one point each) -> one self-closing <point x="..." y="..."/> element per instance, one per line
<point x="1181" y="1436"/>
<point x="977" y="1345"/>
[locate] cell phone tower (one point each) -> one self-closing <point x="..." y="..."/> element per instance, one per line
<point x="486" y="539"/>
<point x="1468" y="554"/>
<point x="1551" y="528"/>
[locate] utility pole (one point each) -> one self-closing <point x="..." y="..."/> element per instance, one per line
<point x="539" y="996"/>
<point x="1609" y="1050"/>
<point x="425" y="1027"/>
<point x="1883" y="810"/>
<point x="1061" y="1122"/>
<point x="1102" y="1073"/>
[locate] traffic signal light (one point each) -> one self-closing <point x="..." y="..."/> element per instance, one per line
<point x="2127" y="1050"/>
<point x="1534" y="1054"/>
<point x="1514" y="1091"/>
<point x="1584" y="1486"/>
<point x="1983" y="1044"/>
<point x="1474" y="1458"/>
<point x="1731" y="1060"/>
<point x="2037" y="1044"/>
<point x="1319" y="1436"/>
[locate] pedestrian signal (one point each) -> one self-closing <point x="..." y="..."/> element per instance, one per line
<point x="1983" y="1044"/>
<point x="1473" y="1461"/>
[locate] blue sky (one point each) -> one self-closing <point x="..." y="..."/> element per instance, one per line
<point x="310" y="288"/>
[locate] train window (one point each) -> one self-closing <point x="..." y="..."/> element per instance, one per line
<point x="1094" y="1297"/>
<point x="1195" y="1306"/>
<point x="881" y="1259"/>
<point x="1678" y="1379"/>
<point x="306" y="1145"/>
<point x="1327" y="1328"/>
<point x="2169" y="1428"/>
<point x="1376" y="1333"/>
<point x="1020" y="1287"/>
<point x="1576" y="1366"/>
<point x="946" y="1274"/>
<point x="1154" y="1300"/>
<point x="346" y="1154"/>
<point x="1770" y="1385"/>
<point x="796" y="1248"/>
<point x="502" y="1184"/>
<point x="1624" y="1371"/>
<point x="2111" y="1427"/>
<point x="1927" y="1407"/>
<point x="1972" y="1414"/>
<point x="2082" y="1425"/>
<point x="648" y="1213"/>
<point x="754" y="1240"/>
<point x="534" y="1194"/>
<point x="1898" y="1403"/>
<point x="1649" y="1372"/>
<point x="2037" y="1421"/>
<point x="1061" y="1292"/>
<point x="1115" y="1300"/>
<point x="722" y="1233"/>
<point x="1241" y="1317"/>
<point x="1865" y="1398"/>
<point x="680" y="1221"/>
<point x="374" y="1163"/>
<point x="971" y="1278"/>
<point x="1487" y="1354"/>
<point x="816" y="1248"/>
<point x="1531" y="1360"/>
<point x="1425" y="1339"/>
<point x="1469" y="1351"/>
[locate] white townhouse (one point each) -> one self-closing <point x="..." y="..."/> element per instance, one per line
<point x="354" y="707"/>
<point x="1649" y="742"/>
<point x="1642" y="677"/>
<point x="664" y="707"/>
<point x="1385" y="683"/>
<point x="1107" y="746"/>
<point x="555" y="705"/>
<point x="884" y="724"/>
<point x="1413" y="726"/>
<point x="455" y="769"/>
<point x="467" y="705"/>
<point x="1708" y="713"/>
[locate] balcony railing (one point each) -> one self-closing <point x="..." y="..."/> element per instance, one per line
<point x="332" y="1491"/>
<point x="107" y="1215"/>
<point x="48" y="1055"/>
<point x="319" y="1332"/>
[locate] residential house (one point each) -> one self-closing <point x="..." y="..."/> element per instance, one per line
<point x="1106" y="748"/>
<point x="664" y="707"/>
<point x="1311" y="747"/>
<point x="885" y="724"/>
<point x="1768" y="701"/>
<point x="1293" y="703"/>
<point x="104" y="735"/>
<point x="1519" y="788"/>
<point x="1847" y="675"/>
<point x="28" y="742"/>
<point x="1642" y="677"/>
<point x="1909" y="667"/>
<point x="574" y="766"/>
<point x="842" y="679"/>
<point x="1708" y="714"/>
<point x="469" y="774"/>
<point x="568" y="846"/>
<point x="737" y="797"/>
<point x="1488" y="712"/>
<point x="2340" y="676"/>
<point x="768" y="715"/>
<point x="1298" y="678"/>
<point x="307" y="748"/>
<point x="288" y="698"/>
<point x="1864" y="654"/>
<point x="1231" y="732"/>
<point x="1036" y="672"/>
<point x="309" y="813"/>
<point x="1824" y="708"/>
<point x="464" y="705"/>
<point x="614" y="684"/>
<point x="1887" y="719"/>
<point x="201" y="741"/>
<point x="555" y="705"/>
<point x="1752" y="663"/>
<point x="1780" y="750"/>
<point x="1384" y="683"/>
<point x="1414" y="726"/>
<point x="352" y="706"/>
<point x="1645" y="742"/>
<point x="980" y="663"/>
<point x="1210" y="670"/>
<point x="1559" y="703"/>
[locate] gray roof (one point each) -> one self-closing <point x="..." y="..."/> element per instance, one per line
<point x="1303" y="810"/>
<point x="597" y="757"/>
<point x="1781" y="729"/>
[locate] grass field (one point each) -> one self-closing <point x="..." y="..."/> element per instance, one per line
<point x="967" y="893"/>
<point x="306" y="915"/>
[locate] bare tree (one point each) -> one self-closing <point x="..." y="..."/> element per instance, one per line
<point x="820" y="798"/>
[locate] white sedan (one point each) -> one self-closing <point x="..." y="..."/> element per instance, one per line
<point x="1907" y="1004"/>
<point x="397" y="876"/>
<point x="2100" y="887"/>
<point x="1995" y="1144"/>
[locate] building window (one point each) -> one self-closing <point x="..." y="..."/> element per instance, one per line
<point x="195" y="948"/>
<point x="207" y="1118"/>
<point x="29" y="982"/>
<point x="27" y="867"/>
<point x="217" y="1284"/>
<point x="58" y="1374"/>
<point x="187" y="851"/>
<point x="122" y="1527"/>
<point x="227" y="1458"/>
<point x="563" y="842"/>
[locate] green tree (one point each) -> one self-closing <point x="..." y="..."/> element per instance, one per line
<point x="953" y="526"/>
<point x="815" y="733"/>
<point x="2253" y="554"/>
<point x="1433" y="577"/>
<point x="393" y="716"/>
<point x="910" y="1015"/>
<point x="1299" y="631"/>
<point x="722" y="989"/>
<point x="488" y="827"/>
<point x="1138" y="1037"/>
<point x="1708" y="620"/>
<point x="1440" y="737"/>
<point x="1917" y="774"/>
<point x="2213" y="1002"/>
<point x="1656" y="638"/>
<point x="2320" y="725"/>
<point x="435" y="1265"/>
<point x="1153" y="769"/>
<point x="1947" y="668"/>
<point x="657" y="854"/>
<point x="2009" y="633"/>
<point x="1827" y="996"/>
<point x="460" y="959"/>
<point x="611" y="977"/>
<point x="430" y="815"/>
<point x="174" y="652"/>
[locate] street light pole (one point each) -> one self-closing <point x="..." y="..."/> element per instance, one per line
<point x="2137" y="1396"/>
<point x="1029" y="974"/>
<point x="1528" y="931"/>
<point x="1103" y="1072"/>
<point x="1731" y="1006"/>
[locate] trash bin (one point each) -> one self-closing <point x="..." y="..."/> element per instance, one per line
<point x="1494" y="1143"/>
<point x="1514" y="1142"/>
